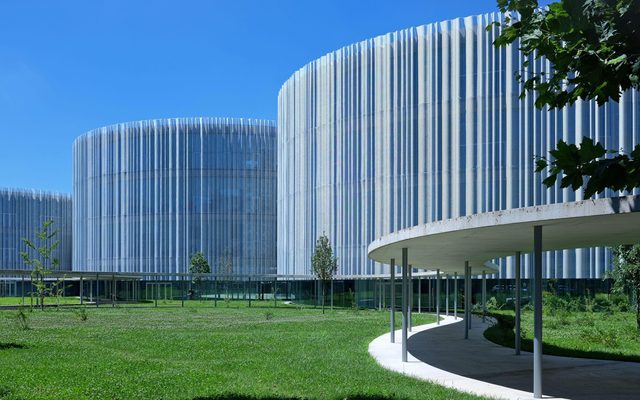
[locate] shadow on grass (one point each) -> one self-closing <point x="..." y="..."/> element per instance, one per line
<point x="502" y="333"/>
<point x="236" y="396"/>
<point x="7" y="346"/>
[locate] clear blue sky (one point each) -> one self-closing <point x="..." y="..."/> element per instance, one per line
<point x="70" y="66"/>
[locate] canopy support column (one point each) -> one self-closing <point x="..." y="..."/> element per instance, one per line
<point x="467" y="297"/>
<point x="446" y="284"/>
<point x="537" y="312"/>
<point x="438" y="296"/>
<point x="484" y="296"/>
<point x="455" y="296"/>
<point x="410" y="298"/>
<point x="405" y="302"/>
<point x="392" y="306"/>
<point x="419" y="295"/>
<point x="517" y="303"/>
<point x="429" y="303"/>
<point x="81" y="291"/>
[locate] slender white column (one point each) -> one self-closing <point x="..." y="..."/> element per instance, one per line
<point x="446" y="284"/>
<point x="517" y="303"/>
<point x="467" y="301"/>
<point x="429" y="303"/>
<point x="405" y="302"/>
<point x="455" y="297"/>
<point x="392" y="306"/>
<point x="470" y="303"/>
<point x="438" y="297"/>
<point x="419" y="295"/>
<point x="537" y="312"/>
<point x="410" y="297"/>
<point x="484" y="296"/>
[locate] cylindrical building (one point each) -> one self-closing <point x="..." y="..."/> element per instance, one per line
<point x="22" y="215"/>
<point x="149" y="194"/>
<point x="421" y="125"/>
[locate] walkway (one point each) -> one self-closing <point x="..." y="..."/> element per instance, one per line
<point x="440" y="354"/>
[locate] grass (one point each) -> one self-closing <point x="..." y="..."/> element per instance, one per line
<point x="15" y="301"/>
<point x="584" y="334"/>
<point x="201" y="353"/>
<point x="232" y="303"/>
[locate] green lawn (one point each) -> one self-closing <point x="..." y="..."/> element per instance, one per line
<point x="14" y="301"/>
<point x="604" y="335"/>
<point x="206" y="353"/>
<point x="199" y="303"/>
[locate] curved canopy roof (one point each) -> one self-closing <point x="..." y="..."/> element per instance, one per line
<point x="477" y="238"/>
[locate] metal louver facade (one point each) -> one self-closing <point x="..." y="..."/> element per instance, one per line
<point x="421" y="125"/>
<point x="149" y="194"/>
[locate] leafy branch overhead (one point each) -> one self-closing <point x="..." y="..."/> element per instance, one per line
<point x="618" y="171"/>
<point x="594" y="47"/>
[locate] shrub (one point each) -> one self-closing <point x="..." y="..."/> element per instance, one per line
<point x="586" y="319"/>
<point x="22" y="319"/>
<point x="82" y="314"/>
<point x="552" y="303"/>
<point x="494" y="304"/>
<point x="601" y="302"/>
<point x="620" y="303"/>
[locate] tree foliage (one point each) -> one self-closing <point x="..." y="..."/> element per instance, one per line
<point x="594" y="47"/>
<point x="626" y="273"/>
<point x="604" y="168"/>
<point x="198" y="264"/>
<point x="323" y="263"/>
<point x="43" y="262"/>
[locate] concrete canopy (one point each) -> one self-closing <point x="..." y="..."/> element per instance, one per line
<point x="477" y="238"/>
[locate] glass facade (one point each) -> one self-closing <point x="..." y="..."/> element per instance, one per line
<point x="149" y="194"/>
<point x="22" y="213"/>
<point x="422" y="125"/>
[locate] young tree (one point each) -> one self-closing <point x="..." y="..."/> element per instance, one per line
<point x="594" y="47"/>
<point x="323" y="264"/>
<point x="225" y="262"/>
<point x="626" y="273"/>
<point x="225" y="267"/>
<point x="43" y="262"/>
<point x="198" y="264"/>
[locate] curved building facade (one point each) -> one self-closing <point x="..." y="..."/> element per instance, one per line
<point x="421" y="125"/>
<point x="22" y="213"/>
<point x="149" y="194"/>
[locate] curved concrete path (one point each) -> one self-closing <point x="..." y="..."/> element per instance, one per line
<point x="441" y="354"/>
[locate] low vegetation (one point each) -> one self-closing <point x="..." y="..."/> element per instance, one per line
<point x="601" y="326"/>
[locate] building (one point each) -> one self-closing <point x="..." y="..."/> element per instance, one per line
<point x="149" y="194"/>
<point x="420" y="125"/>
<point x="22" y="214"/>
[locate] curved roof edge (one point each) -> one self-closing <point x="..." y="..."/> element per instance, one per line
<point x="227" y="121"/>
<point x="34" y="192"/>
<point x="398" y="35"/>
<point x="486" y="236"/>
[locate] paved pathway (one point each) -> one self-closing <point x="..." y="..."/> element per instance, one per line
<point x="441" y="354"/>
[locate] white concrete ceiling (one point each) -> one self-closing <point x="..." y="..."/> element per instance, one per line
<point x="477" y="238"/>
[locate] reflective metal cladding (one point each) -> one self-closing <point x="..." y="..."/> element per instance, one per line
<point x="420" y="125"/>
<point x="149" y="194"/>
<point x="22" y="213"/>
